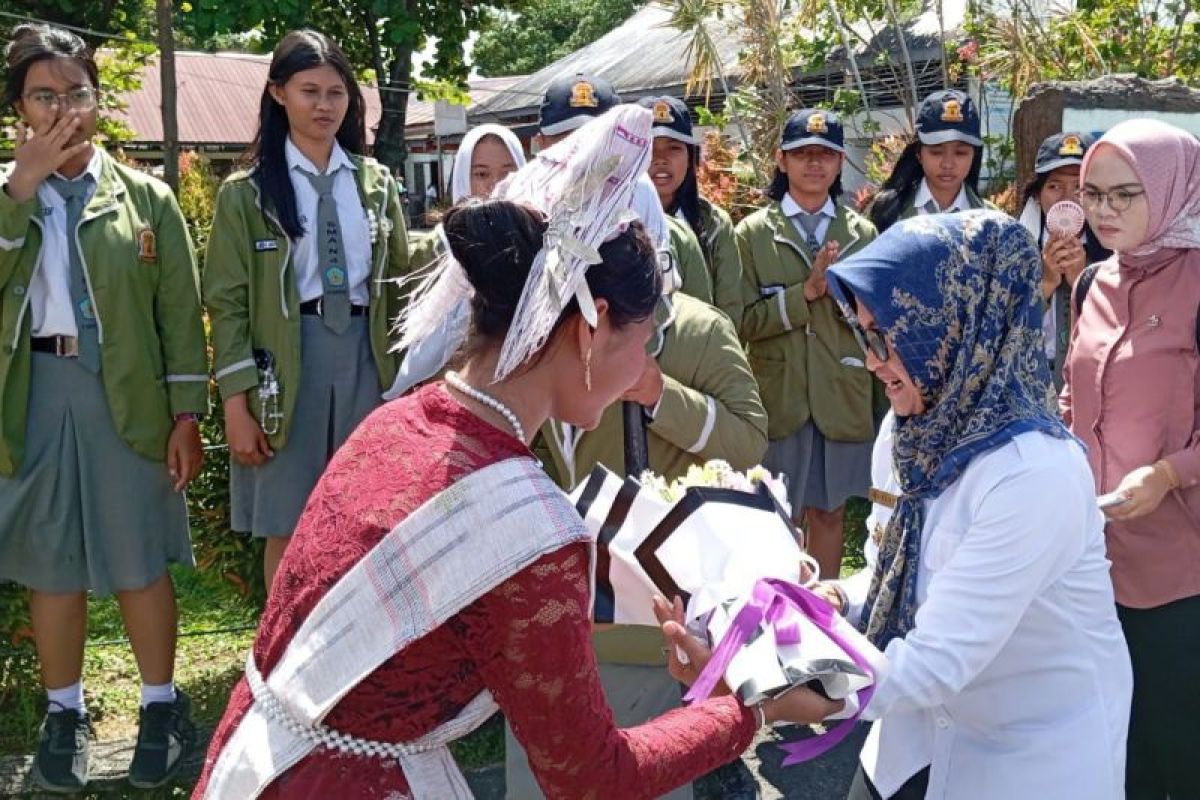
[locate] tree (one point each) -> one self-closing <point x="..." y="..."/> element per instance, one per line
<point x="517" y="44"/>
<point x="378" y="35"/>
<point x="1020" y="45"/>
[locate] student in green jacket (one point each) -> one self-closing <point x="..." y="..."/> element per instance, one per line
<point x="298" y="285"/>
<point x="102" y="375"/>
<point x="673" y="173"/>
<point x="938" y="172"/>
<point x="569" y="103"/>
<point x="814" y="384"/>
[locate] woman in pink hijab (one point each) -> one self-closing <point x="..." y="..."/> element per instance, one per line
<point x="1132" y="395"/>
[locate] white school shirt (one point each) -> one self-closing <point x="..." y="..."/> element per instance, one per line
<point x="791" y="209"/>
<point x="961" y="202"/>
<point x="1015" y="681"/>
<point x="352" y="217"/>
<point x="50" y="305"/>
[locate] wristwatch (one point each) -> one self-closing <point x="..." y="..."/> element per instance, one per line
<point x="187" y="416"/>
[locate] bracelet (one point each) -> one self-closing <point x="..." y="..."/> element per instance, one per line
<point x="760" y="713"/>
<point x="187" y="416"/>
<point x="1169" y="469"/>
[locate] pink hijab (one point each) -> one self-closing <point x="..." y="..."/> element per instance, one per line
<point x="1166" y="160"/>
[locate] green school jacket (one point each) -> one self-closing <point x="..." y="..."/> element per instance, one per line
<point x="147" y="302"/>
<point x="689" y="257"/>
<point x="724" y="261"/>
<point x="807" y="361"/>
<point x="251" y="294"/>
<point x="710" y="406"/>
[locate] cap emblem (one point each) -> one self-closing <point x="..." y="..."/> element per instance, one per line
<point x="662" y="112"/>
<point x="816" y="124"/>
<point x="1071" y="146"/>
<point x="952" y="111"/>
<point x="583" y="95"/>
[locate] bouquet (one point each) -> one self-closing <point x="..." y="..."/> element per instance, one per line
<point x="723" y="541"/>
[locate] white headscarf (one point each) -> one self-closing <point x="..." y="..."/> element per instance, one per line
<point x="460" y="177"/>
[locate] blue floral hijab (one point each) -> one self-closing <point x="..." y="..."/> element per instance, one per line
<point x="957" y="295"/>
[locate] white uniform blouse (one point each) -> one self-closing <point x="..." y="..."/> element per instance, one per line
<point x="1015" y="682"/>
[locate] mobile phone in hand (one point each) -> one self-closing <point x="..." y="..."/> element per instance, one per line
<point x="1111" y="500"/>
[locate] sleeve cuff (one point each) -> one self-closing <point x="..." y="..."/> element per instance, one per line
<point x="237" y="378"/>
<point x="15" y="217"/>
<point x="1187" y="466"/>
<point x="678" y="416"/>
<point x="188" y="397"/>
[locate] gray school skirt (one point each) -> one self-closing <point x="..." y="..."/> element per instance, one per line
<point x="635" y="693"/>
<point x="820" y="474"/>
<point x="339" y="387"/>
<point x="85" y="511"/>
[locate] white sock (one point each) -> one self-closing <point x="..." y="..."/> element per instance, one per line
<point x="70" y="697"/>
<point x="163" y="693"/>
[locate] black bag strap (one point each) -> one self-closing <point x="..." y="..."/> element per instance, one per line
<point x="1085" y="283"/>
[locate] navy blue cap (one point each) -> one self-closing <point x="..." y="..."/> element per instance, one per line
<point x="572" y="100"/>
<point x="813" y="126"/>
<point x="948" y="116"/>
<point x="671" y="118"/>
<point x="1062" y="150"/>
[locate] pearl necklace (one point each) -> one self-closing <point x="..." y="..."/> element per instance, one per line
<point x="455" y="380"/>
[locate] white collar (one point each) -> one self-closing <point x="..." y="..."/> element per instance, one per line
<point x="791" y="208"/>
<point x="961" y="203"/>
<point x="93" y="167"/>
<point x="297" y="160"/>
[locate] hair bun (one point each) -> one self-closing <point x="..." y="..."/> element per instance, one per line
<point x="496" y="242"/>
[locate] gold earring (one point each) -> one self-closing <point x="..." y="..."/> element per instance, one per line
<point x="587" y="370"/>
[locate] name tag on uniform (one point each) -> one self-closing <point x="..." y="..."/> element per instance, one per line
<point x="880" y="497"/>
<point x="771" y="290"/>
<point x="263" y="245"/>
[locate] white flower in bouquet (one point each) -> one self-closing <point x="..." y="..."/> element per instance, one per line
<point x="717" y="474"/>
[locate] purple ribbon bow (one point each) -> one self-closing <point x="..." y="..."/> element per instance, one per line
<point x="779" y="605"/>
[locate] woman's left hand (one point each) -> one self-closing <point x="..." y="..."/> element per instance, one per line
<point x="1144" y="489"/>
<point x="185" y="453"/>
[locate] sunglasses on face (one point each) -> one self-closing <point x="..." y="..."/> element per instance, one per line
<point x="869" y="339"/>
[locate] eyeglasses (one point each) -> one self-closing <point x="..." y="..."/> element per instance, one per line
<point x="81" y="98"/>
<point x="1118" y="199"/>
<point x="870" y="340"/>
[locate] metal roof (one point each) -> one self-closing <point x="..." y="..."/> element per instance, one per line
<point x="645" y="56"/>
<point x="218" y="97"/>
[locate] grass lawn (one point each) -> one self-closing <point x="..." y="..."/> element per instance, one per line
<point x="217" y="625"/>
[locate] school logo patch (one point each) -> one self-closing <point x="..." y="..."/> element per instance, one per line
<point x="662" y="112"/>
<point x="952" y="111"/>
<point x="147" y="246"/>
<point x="583" y="95"/>
<point x="1071" y="146"/>
<point x="816" y="124"/>
<point x="85" y="309"/>
<point x="335" y="277"/>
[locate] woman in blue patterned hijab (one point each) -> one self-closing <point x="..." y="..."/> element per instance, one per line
<point x="957" y="297"/>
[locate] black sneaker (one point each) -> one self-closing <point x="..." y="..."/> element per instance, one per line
<point x="165" y="737"/>
<point x="61" y="763"/>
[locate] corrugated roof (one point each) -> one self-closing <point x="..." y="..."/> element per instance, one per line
<point x="219" y="93"/>
<point x="644" y="56"/>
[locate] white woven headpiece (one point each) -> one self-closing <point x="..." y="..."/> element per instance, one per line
<point x="583" y="185"/>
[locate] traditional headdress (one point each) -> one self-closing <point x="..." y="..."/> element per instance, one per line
<point x="584" y="186"/>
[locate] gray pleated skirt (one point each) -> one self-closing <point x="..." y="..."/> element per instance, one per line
<point x="84" y="510"/>
<point x="820" y="474"/>
<point x="339" y="387"/>
<point x="635" y="693"/>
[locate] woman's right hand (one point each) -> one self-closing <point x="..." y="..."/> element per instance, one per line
<point x="39" y="153"/>
<point x="801" y="706"/>
<point x="247" y="443"/>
